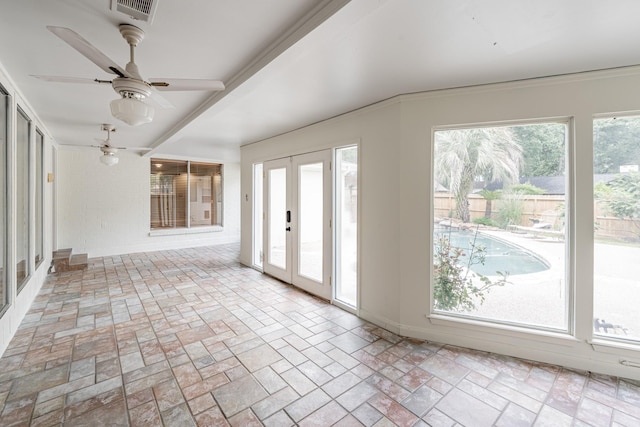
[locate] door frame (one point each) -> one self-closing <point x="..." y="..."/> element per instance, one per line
<point x="291" y="273"/>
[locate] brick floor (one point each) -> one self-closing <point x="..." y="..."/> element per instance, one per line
<point x="190" y="337"/>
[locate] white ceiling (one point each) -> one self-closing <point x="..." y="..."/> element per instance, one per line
<point x="290" y="63"/>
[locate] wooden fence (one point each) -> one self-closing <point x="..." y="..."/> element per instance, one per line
<point x="543" y="208"/>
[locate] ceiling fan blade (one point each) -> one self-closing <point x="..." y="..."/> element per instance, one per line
<point x="160" y="100"/>
<point x="134" y="148"/>
<point x="89" y="51"/>
<point x="78" y="145"/>
<point x="64" y="79"/>
<point x="186" y="84"/>
<point x="105" y="145"/>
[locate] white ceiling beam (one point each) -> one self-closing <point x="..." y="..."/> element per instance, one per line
<point x="311" y="20"/>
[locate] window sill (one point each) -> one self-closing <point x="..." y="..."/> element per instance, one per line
<point x="183" y="231"/>
<point x="512" y="331"/>
<point x="618" y="348"/>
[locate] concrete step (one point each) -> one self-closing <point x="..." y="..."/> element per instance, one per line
<point x="65" y="260"/>
<point x="79" y="260"/>
<point x="62" y="253"/>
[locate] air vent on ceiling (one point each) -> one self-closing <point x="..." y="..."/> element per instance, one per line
<point x="142" y="10"/>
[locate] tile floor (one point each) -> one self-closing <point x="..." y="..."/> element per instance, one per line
<point x="190" y="337"/>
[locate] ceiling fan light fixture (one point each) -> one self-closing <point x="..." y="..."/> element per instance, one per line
<point x="131" y="109"/>
<point x="109" y="159"/>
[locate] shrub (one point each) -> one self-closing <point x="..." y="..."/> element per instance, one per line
<point x="485" y="221"/>
<point x="526" y="189"/>
<point x="510" y="210"/>
<point x="455" y="287"/>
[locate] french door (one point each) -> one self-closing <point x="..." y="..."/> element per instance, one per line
<point x="297" y="221"/>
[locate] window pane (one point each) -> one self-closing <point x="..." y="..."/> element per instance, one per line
<point x="310" y="195"/>
<point x="499" y="231"/>
<point x="616" y="181"/>
<point x="22" y="199"/>
<point x="39" y="250"/>
<point x="346" y="199"/>
<point x="205" y="194"/>
<point x="4" y="103"/>
<point x="168" y="194"/>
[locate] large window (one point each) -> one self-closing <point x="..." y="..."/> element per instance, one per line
<point x="616" y="181"/>
<point x="4" y="131"/>
<point x="499" y="230"/>
<point x="257" y="214"/>
<point x="346" y="227"/>
<point x="185" y="194"/>
<point x="22" y="198"/>
<point x="39" y="203"/>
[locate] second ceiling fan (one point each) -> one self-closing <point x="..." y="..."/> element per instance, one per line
<point x="128" y="83"/>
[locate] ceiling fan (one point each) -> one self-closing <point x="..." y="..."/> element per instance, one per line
<point x="128" y="83"/>
<point x="109" y="152"/>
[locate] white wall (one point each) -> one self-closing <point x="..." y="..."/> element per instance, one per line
<point x="395" y="192"/>
<point x="105" y="210"/>
<point x="377" y="132"/>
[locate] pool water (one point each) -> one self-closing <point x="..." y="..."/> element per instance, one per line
<point x="499" y="254"/>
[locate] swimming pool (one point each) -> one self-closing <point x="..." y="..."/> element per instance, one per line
<point x="500" y="255"/>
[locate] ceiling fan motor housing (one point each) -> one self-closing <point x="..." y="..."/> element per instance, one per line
<point x="108" y="151"/>
<point x="131" y="88"/>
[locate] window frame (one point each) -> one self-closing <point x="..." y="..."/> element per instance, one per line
<point x="39" y="197"/>
<point x="566" y="336"/>
<point x="188" y="228"/>
<point x="20" y="285"/>
<point x="5" y="279"/>
<point x="600" y="341"/>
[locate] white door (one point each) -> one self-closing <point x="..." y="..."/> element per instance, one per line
<point x="277" y="219"/>
<point x="297" y="227"/>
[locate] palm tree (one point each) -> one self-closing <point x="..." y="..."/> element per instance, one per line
<point x="489" y="196"/>
<point x="462" y="155"/>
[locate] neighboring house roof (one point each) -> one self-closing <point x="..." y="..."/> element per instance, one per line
<point x="551" y="184"/>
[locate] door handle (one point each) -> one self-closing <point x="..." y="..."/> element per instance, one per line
<point x="288" y="216"/>
<point x="288" y="228"/>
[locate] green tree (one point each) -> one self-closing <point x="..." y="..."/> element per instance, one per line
<point x="616" y="142"/>
<point x="462" y="155"/>
<point x="621" y="196"/>
<point x="543" y="148"/>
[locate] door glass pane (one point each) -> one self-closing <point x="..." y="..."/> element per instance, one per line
<point x="278" y="217"/>
<point x="22" y="199"/>
<point x="346" y="202"/>
<point x="616" y="184"/>
<point x="310" y="195"/>
<point x="257" y="215"/>
<point x="499" y="224"/>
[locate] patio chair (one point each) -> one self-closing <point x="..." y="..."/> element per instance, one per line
<point x="603" y="324"/>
